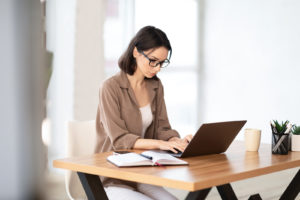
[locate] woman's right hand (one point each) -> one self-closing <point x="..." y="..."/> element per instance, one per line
<point x="172" y="145"/>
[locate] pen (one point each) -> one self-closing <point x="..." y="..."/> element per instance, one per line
<point x="145" y="156"/>
<point x="289" y="127"/>
<point x="150" y="158"/>
<point x="273" y="127"/>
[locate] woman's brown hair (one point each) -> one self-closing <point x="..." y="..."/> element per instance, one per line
<point x="147" y="38"/>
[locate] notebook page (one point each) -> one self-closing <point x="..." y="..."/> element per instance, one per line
<point x="128" y="159"/>
<point x="163" y="158"/>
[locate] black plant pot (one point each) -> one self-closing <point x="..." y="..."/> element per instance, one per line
<point x="280" y="143"/>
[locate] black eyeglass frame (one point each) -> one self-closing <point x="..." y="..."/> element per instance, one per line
<point x="167" y="61"/>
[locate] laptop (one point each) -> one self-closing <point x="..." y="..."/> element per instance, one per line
<point x="212" y="138"/>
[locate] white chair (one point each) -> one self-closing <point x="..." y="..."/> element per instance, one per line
<point x="81" y="140"/>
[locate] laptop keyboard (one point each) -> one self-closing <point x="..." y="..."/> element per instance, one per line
<point x="174" y="154"/>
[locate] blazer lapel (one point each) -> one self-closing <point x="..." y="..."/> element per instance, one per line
<point x="124" y="83"/>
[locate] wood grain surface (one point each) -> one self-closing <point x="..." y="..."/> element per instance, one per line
<point x="202" y="172"/>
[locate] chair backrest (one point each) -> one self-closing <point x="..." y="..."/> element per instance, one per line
<point x="81" y="140"/>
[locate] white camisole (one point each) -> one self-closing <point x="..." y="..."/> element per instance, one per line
<point x="146" y="118"/>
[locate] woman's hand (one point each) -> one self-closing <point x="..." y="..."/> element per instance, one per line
<point x="172" y="145"/>
<point x="188" y="138"/>
<point x="175" y="143"/>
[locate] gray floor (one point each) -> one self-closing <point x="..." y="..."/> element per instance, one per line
<point x="269" y="187"/>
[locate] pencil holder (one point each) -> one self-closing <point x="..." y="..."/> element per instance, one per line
<point x="280" y="143"/>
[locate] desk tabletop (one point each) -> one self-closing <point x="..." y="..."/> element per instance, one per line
<point x="202" y="172"/>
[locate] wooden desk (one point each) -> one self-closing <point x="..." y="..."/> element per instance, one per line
<point x="202" y="173"/>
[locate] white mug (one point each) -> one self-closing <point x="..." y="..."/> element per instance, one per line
<point x="252" y="139"/>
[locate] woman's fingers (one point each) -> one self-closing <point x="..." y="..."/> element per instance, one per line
<point x="188" y="138"/>
<point x="178" y="146"/>
<point x="166" y="145"/>
<point x="173" y="146"/>
<point x="173" y="150"/>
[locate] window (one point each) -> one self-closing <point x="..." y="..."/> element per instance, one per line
<point x="118" y="30"/>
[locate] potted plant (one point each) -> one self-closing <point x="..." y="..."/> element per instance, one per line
<point x="296" y="138"/>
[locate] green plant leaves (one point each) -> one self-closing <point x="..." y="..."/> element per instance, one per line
<point x="281" y="127"/>
<point x="296" y="130"/>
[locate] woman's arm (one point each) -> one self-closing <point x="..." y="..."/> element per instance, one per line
<point x="171" y="144"/>
<point x="113" y="124"/>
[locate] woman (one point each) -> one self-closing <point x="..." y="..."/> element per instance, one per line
<point x="132" y="112"/>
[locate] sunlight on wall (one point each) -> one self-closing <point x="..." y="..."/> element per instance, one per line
<point x="252" y="63"/>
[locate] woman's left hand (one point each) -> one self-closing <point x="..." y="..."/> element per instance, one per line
<point x="188" y="138"/>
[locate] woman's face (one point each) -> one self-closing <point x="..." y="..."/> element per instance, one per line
<point x="155" y="55"/>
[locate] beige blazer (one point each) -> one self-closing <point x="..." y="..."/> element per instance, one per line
<point x="119" y="121"/>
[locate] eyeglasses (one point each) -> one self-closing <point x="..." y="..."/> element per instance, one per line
<point x="155" y="63"/>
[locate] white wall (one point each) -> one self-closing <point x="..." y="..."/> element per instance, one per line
<point x="89" y="58"/>
<point x="251" y="62"/>
<point x="74" y="35"/>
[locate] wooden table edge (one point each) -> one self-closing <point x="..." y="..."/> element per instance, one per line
<point x="183" y="185"/>
<point x="246" y="175"/>
<point x="129" y="176"/>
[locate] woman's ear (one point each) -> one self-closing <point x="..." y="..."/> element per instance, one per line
<point x="135" y="52"/>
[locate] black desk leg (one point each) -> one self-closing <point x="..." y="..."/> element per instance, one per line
<point x="226" y="192"/>
<point x="198" y="195"/>
<point x="293" y="188"/>
<point x="255" y="197"/>
<point x="92" y="186"/>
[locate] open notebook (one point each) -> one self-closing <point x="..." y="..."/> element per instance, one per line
<point x="146" y="158"/>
